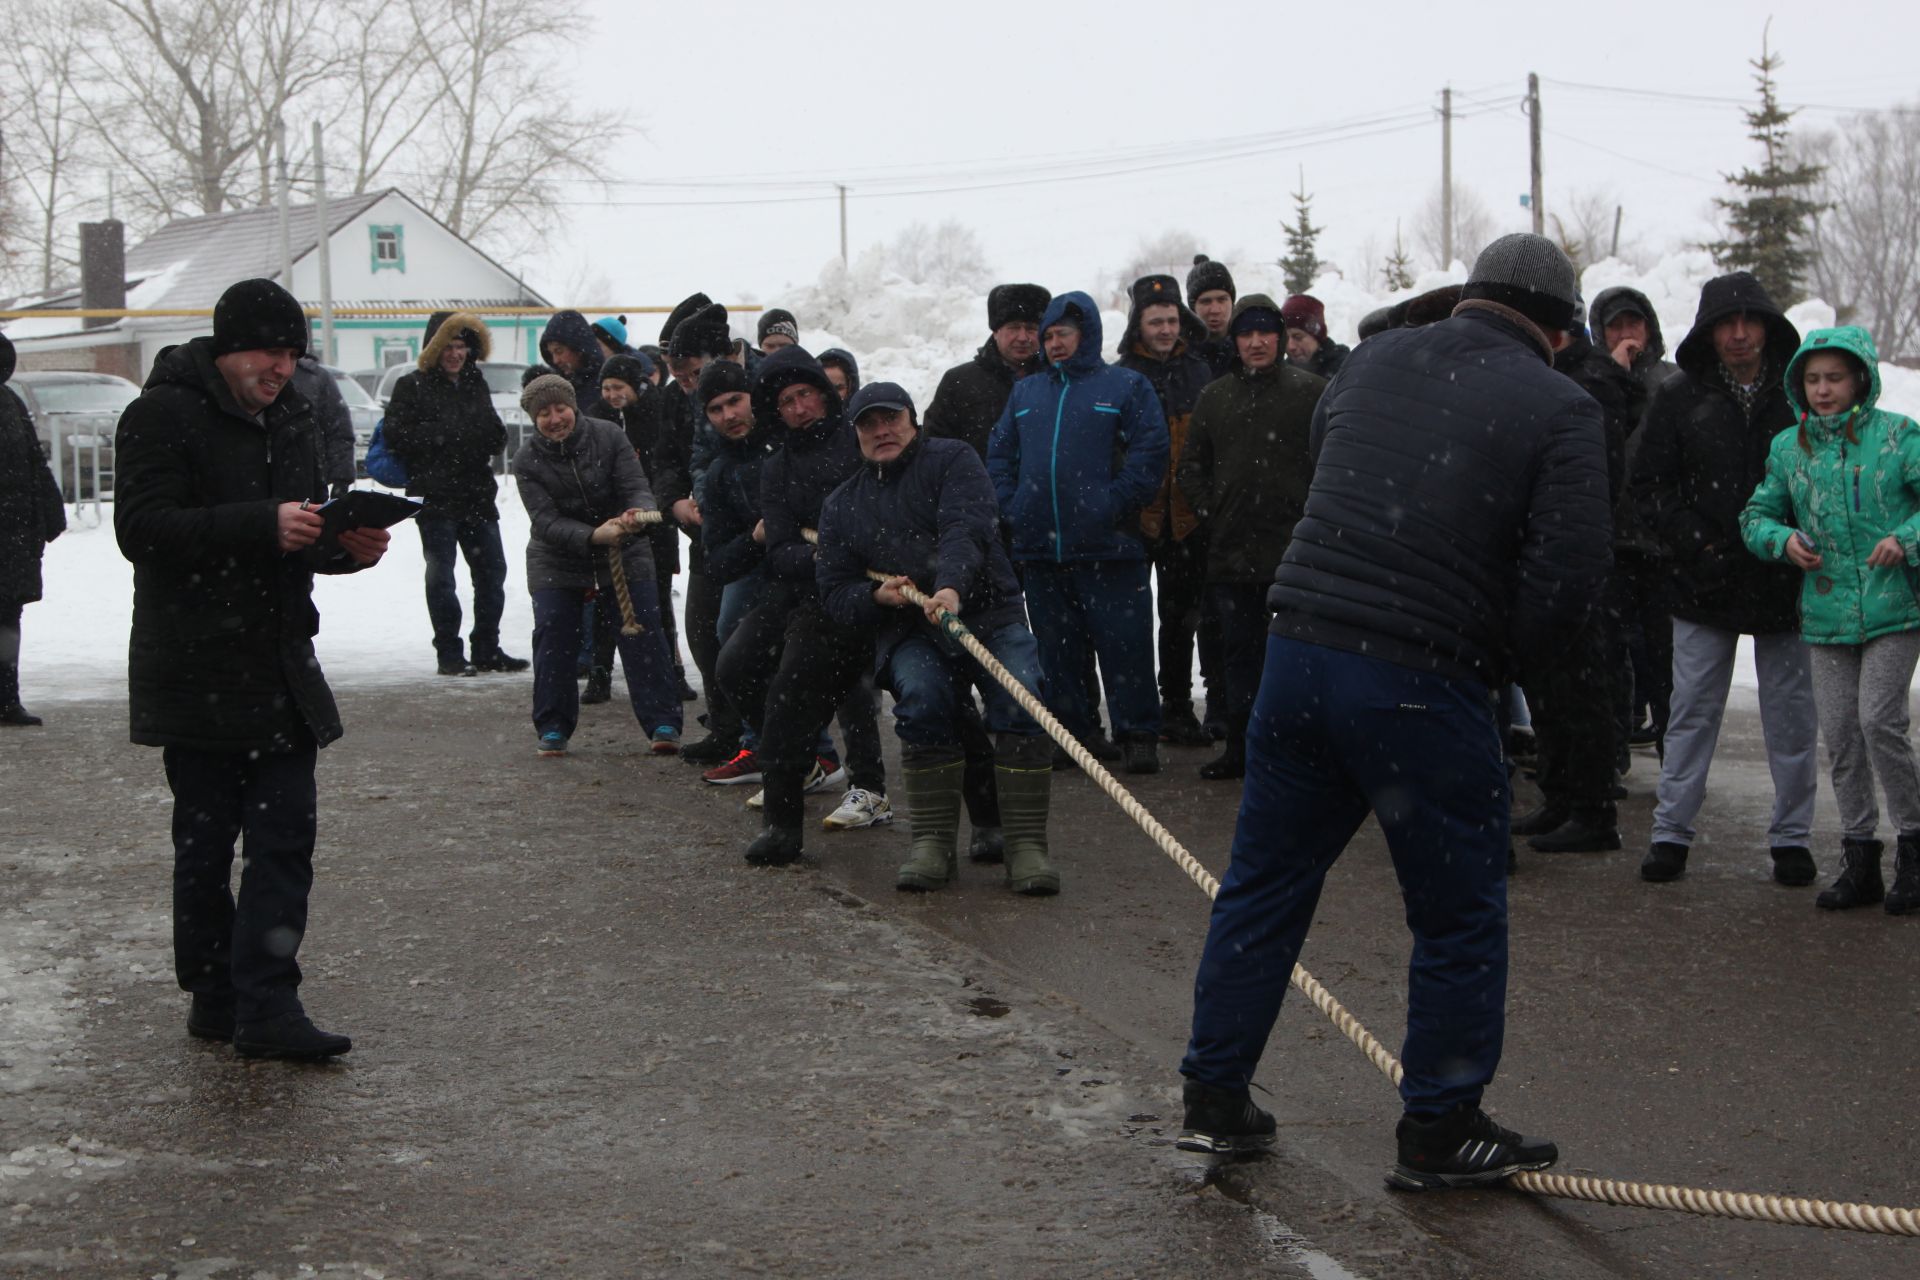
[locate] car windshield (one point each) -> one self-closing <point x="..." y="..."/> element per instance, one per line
<point x="353" y="393"/>
<point x="502" y="379"/>
<point x="84" y="397"/>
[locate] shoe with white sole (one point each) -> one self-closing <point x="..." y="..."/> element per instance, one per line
<point x="758" y="800"/>
<point x="826" y="775"/>
<point x="859" y="808"/>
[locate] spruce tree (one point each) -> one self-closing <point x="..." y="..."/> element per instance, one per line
<point x="1768" y="224"/>
<point x="1301" y="264"/>
<point x="1398" y="272"/>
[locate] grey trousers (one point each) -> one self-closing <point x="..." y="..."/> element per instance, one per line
<point x="1861" y="691"/>
<point x="1702" y="674"/>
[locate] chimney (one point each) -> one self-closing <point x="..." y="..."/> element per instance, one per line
<point x="103" y="268"/>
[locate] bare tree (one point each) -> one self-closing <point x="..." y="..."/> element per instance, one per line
<point x="44" y="69"/>
<point x="380" y="102"/>
<point x="1170" y="252"/>
<point x="1865" y="238"/>
<point x="946" y="255"/>
<point x="1583" y="224"/>
<point x="1473" y="227"/>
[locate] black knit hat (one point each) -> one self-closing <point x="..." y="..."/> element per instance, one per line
<point x="719" y="378"/>
<point x="1208" y="275"/>
<point x="704" y="333"/>
<point x="1529" y="273"/>
<point x="688" y="305"/>
<point x="631" y="370"/>
<point x="1010" y="302"/>
<point x="258" y="315"/>
<point x="775" y="320"/>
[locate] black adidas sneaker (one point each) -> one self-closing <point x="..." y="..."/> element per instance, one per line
<point x="1222" y="1121"/>
<point x="1463" y="1148"/>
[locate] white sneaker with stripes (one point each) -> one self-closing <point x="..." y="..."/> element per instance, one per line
<point x="859" y="808"/>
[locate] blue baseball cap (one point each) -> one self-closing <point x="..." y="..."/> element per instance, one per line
<point x="880" y="395"/>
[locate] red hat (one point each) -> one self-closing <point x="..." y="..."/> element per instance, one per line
<point x="1304" y="311"/>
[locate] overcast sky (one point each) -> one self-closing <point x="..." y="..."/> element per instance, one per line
<point x="779" y="102"/>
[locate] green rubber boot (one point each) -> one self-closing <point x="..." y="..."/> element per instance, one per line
<point x="933" y="807"/>
<point x="1023" y="821"/>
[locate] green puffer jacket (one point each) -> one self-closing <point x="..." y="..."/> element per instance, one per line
<point x="1845" y="497"/>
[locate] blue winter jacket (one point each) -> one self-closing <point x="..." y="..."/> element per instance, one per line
<point x="1078" y="451"/>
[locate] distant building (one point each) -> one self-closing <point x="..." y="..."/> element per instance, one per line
<point x="386" y="251"/>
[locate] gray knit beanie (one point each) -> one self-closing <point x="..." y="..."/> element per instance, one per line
<point x="547" y="389"/>
<point x="1530" y="274"/>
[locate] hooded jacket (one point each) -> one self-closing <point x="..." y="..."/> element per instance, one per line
<point x="1845" y="496"/>
<point x="1457" y="517"/>
<point x="31" y="514"/>
<point x="571" y="487"/>
<point x="221" y="653"/>
<point x="810" y="464"/>
<point x="929" y="514"/>
<point x="848" y="365"/>
<point x="1701" y="455"/>
<point x="446" y="430"/>
<point x="1178" y="380"/>
<point x="971" y="396"/>
<point x="570" y="329"/>
<point x="1078" y="452"/>
<point x="732" y="505"/>
<point x="1651" y="366"/>
<point x="1247" y="465"/>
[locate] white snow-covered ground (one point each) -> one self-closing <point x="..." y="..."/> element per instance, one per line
<point x="373" y="626"/>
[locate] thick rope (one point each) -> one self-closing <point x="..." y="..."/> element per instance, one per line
<point x="1751" y="1206"/>
<point x="616" y="563"/>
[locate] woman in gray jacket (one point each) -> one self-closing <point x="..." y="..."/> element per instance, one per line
<point x="584" y="490"/>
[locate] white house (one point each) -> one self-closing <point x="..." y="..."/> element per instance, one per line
<point x="385" y="251"/>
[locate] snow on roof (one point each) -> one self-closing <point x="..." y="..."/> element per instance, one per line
<point x="191" y="261"/>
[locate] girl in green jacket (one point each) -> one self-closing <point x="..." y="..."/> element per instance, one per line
<point x="1841" y="501"/>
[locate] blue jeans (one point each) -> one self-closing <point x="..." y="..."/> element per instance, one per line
<point x="932" y="679"/>
<point x="479" y="540"/>
<point x="1107" y="604"/>
<point x="652" y="687"/>
<point x="1335" y="736"/>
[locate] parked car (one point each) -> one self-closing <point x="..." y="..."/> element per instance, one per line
<point x="369" y="379"/>
<point x="503" y="380"/>
<point x="365" y="411"/>
<point x="75" y="407"/>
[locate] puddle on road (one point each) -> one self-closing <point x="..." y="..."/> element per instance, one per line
<point x="1289" y="1244"/>
<point x="988" y="1007"/>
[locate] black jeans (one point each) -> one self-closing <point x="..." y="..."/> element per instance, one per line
<point x="1243" y="617"/>
<point x="1571" y="696"/>
<point x="703" y="642"/>
<point x="244" y="948"/>
<point x="479" y="540"/>
<point x="1186" y="615"/>
<point x="787" y="668"/>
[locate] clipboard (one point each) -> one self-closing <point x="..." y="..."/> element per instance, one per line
<point x="363" y="509"/>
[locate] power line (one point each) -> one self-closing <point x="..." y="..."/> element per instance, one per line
<point x="1717" y="100"/>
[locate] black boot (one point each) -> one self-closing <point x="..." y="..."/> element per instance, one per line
<point x="1537" y="822"/>
<point x="291" y="1036"/>
<point x="1231" y="763"/>
<point x="775" y="847"/>
<point x="1904" y="897"/>
<point x="1222" y="1121"/>
<point x="1179" y="726"/>
<point x="11" y="712"/>
<point x="1666" y="860"/>
<point x="211" y="1017"/>
<point x="1859" y="884"/>
<point x="1793" y="865"/>
<point x="599" y="687"/>
<point x="1142" y="752"/>
<point x="1588" y="829"/>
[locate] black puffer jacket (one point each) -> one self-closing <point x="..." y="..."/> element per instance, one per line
<point x="810" y="464"/>
<point x="30" y="512"/>
<point x="332" y="419"/>
<point x="221" y="656"/>
<point x="1458" y="511"/>
<point x="640" y="423"/>
<point x="446" y="430"/>
<point x="1700" y="458"/>
<point x="571" y="488"/>
<point x="972" y="396"/>
<point x="930" y="514"/>
<point x="732" y="507"/>
<point x="1247" y="465"/>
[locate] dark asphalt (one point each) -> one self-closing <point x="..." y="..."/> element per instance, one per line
<point x="590" y="1040"/>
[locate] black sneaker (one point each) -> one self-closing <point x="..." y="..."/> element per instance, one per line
<point x="500" y="660"/>
<point x="1142" y="752"/>
<point x="1101" y="746"/>
<point x="1588" y="831"/>
<point x="686" y="691"/>
<point x="1179" y="726"/>
<point x="1222" y="1121"/>
<point x="291" y="1036"/>
<point x="1665" y="861"/>
<point x="1793" y="865"/>
<point x="1463" y="1149"/>
<point x="211" y="1017"/>
<point x="1537" y="822"/>
<point x="715" y="748"/>
<point x="455" y="667"/>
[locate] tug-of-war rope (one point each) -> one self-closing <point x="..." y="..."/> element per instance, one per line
<point x="1753" y="1206"/>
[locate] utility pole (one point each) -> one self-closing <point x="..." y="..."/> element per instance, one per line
<point x="321" y="228"/>
<point x="1534" y="198"/>
<point x="843" y="223"/>
<point x="1446" y="176"/>
<point x="286" y="237"/>
<point x="1613" y="250"/>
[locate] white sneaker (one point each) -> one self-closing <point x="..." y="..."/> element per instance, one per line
<point x="860" y="808"/>
<point x="825" y="776"/>
<point x="758" y="800"/>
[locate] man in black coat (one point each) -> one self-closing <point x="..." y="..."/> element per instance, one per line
<point x="924" y="509"/>
<point x="1309" y="345"/>
<point x="1457" y="517"/>
<point x="442" y="425"/>
<point x="332" y="419"/>
<point x="572" y="347"/>
<point x="971" y="396"/>
<point x="1703" y="452"/>
<point x="1160" y="344"/>
<point x="31" y="516"/>
<point x="219" y="469"/>
<point x="1211" y="294"/>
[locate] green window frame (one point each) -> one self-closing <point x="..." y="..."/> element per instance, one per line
<point x="388" y="246"/>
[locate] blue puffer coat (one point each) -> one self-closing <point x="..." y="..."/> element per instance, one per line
<point x="1078" y="452"/>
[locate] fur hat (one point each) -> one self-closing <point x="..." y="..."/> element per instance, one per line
<point x="444" y="327"/>
<point x="1529" y="273"/>
<point x="775" y="320"/>
<point x="258" y="315"/>
<point x="1307" y="313"/>
<point x="1208" y="275"/>
<point x="1007" y="303"/>
<point x="547" y="389"/>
